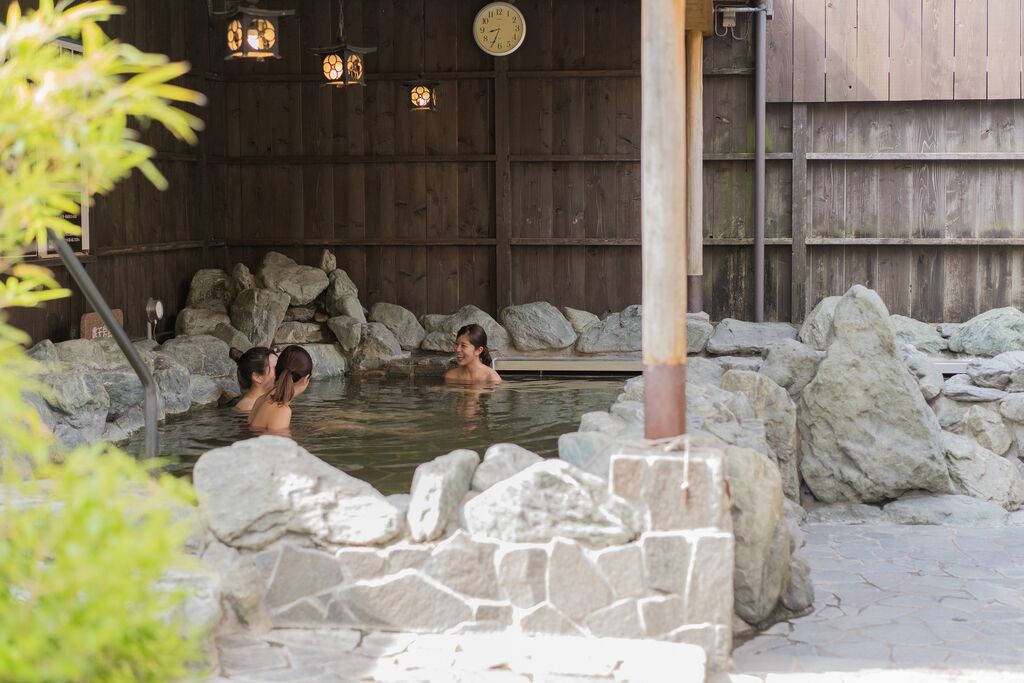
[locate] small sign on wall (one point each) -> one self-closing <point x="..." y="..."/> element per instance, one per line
<point x="93" y="327"/>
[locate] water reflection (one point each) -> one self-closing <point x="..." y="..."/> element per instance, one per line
<point x="380" y="431"/>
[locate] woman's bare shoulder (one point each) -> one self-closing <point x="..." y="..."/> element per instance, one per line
<point x="493" y="376"/>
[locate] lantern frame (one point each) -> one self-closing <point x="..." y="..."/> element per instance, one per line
<point x="246" y="17"/>
<point x="431" y="87"/>
<point x="345" y="53"/>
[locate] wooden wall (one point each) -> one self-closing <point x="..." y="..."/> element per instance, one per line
<point x="145" y="242"/>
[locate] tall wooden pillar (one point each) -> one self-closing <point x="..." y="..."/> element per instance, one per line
<point x="663" y="214"/>
<point x="695" y="168"/>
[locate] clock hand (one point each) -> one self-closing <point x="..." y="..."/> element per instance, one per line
<point x="495" y="37"/>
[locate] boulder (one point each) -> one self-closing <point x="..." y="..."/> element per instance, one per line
<point x="432" y="321"/>
<point x="703" y="371"/>
<point x="922" y="336"/>
<point x="618" y="333"/>
<point x="299" y="333"/>
<point x="1012" y="408"/>
<point x="990" y="334"/>
<point x="327" y="360"/>
<point x="537" y="326"/>
<point x="302" y="284"/>
<point x="951" y="510"/>
<point x="500" y="462"/>
<point x="300" y="314"/>
<point x="277" y="259"/>
<point x="799" y="593"/>
<point x="845" y="513"/>
<point x="81" y="353"/>
<point x="402" y="323"/>
<point x="438" y="487"/>
<point x="282" y="489"/>
<point x="762" y="539"/>
<point x="791" y="365"/>
<point x="232" y="337"/>
<point x="347" y="330"/>
<point x="959" y="388"/>
<point x="199" y="321"/>
<point x="257" y="313"/>
<point x="867" y="433"/>
<point x="377" y="346"/>
<point x="946" y="330"/>
<point x="124" y="389"/>
<point x="174" y="382"/>
<point x="79" y="398"/>
<point x="44" y="352"/>
<point x="736" y="337"/>
<point x="580" y="320"/>
<point x="950" y="413"/>
<point x="443" y="337"/>
<point x="698" y="331"/>
<point x="328" y="261"/>
<point x="816" y="331"/>
<point x="984" y="424"/>
<point x="773" y="406"/>
<point x="211" y="284"/>
<point x="205" y="390"/>
<point x="553" y="499"/>
<point x="201" y="354"/>
<point x="928" y="376"/>
<point x="1005" y="371"/>
<point x="978" y="472"/>
<point x="342" y="296"/>
<point x="589" y="451"/>
<point x="243" y="277"/>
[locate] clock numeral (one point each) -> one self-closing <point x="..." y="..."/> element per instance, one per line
<point x="481" y="29"/>
<point x="490" y="14"/>
<point x="500" y="12"/>
<point x="515" y="19"/>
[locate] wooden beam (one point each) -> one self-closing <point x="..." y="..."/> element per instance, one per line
<point x="915" y="241"/>
<point x="332" y="159"/>
<point x="502" y="188"/>
<point x="694" y="153"/>
<point x="800" y="215"/>
<point x="663" y="212"/>
<point x="700" y="16"/>
<point x="915" y="156"/>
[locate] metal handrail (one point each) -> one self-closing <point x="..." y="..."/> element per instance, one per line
<point x="99" y="304"/>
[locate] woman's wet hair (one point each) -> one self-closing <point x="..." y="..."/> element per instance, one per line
<point x="293" y="364"/>
<point x="478" y="338"/>
<point x="255" y="360"/>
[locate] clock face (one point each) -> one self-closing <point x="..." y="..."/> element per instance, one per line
<point x="499" y="29"/>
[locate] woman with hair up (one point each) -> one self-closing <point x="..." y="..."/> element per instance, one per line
<point x="255" y="374"/>
<point x="272" y="412"/>
<point x="473" y="361"/>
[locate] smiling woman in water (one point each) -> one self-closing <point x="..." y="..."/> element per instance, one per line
<point x="472" y="358"/>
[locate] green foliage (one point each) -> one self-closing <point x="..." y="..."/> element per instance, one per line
<point x="83" y="541"/>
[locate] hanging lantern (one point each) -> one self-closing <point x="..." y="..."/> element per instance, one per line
<point x="343" y="64"/>
<point x="422" y="95"/>
<point x="254" y="33"/>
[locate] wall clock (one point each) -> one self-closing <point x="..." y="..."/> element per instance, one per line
<point x="499" y="28"/>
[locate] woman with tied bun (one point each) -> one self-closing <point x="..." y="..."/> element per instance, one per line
<point x="472" y="358"/>
<point x="255" y="374"/>
<point x="272" y="412"/>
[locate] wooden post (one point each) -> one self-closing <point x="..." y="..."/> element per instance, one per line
<point x="663" y="214"/>
<point x="695" y="169"/>
<point x="503" y="189"/>
<point x="800" y="272"/>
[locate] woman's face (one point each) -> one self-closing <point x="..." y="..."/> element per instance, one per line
<point x="465" y="352"/>
<point x="266" y="380"/>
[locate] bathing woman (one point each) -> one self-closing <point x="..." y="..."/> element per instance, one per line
<point x="472" y="358"/>
<point x="272" y="412"/>
<point x="255" y="374"/>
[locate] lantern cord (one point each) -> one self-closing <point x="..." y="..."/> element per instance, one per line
<point x="341" y="21"/>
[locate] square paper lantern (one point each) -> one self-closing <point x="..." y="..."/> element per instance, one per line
<point x="344" y="64"/>
<point x="255" y="34"/>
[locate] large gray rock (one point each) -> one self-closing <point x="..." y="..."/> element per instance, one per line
<point x="243" y="277"/>
<point x="501" y="461"/>
<point x="791" y="365"/>
<point x="948" y="510"/>
<point x="922" y="336"/>
<point x="1005" y="371"/>
<point x="928" y="376"/>
<point x="816" y="331"/>
<point x="44" y="352"/>
<point x="698" y="331"/>
<point x="300" y="314"/>
<point x="342" y="296"/>
<point x="232" y="337"/>
<point x="201" y="355"/>
<point x="845" y="513"/>
<point x="174" y="382"/>
<point x="81" y="353"/>
<point x="432" y="321"/>
<point x="990" y="334"/>
<point x="328" y="360"/>
<point x="402" y="323"/>
<point x="773" y="406"/>
<point x="328" y="261"/>
<point x="580" y="320"/>
<point x="257" y="313"/>
<point x="700" y="370"/>
<point x="946" y="330"/>
<point x="537" y="326"/>
<point x="124" y="389"/>
<point x="211" y="284"/>
<point x="205" y="390"/>
<point x="978" y="472"/>
<point x="590" y="451"/>
<point x="762" y="539"/>
<point x="347" y="330"/>
<point x="1012" y="408"/>
<point x="199" y="321"/>
<point x="377" y="346"/>
<point x="618" y="333"/>
<point x="437" y="488"/>
<point x="282" y="488"/>
<point x="299" y="333"/>
<point x="552" y="499"/>
<point x="302" y="284"/>
<point x="983" y="423"/>
<point x="80" y="403"/>
<point x="867" y="433"/>
<point x="959" y="388"/>
<point x="736" y="337"/>
<point x="443" y="338"/>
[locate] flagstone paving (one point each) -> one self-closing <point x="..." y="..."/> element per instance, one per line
<point x="893" y="604"/>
